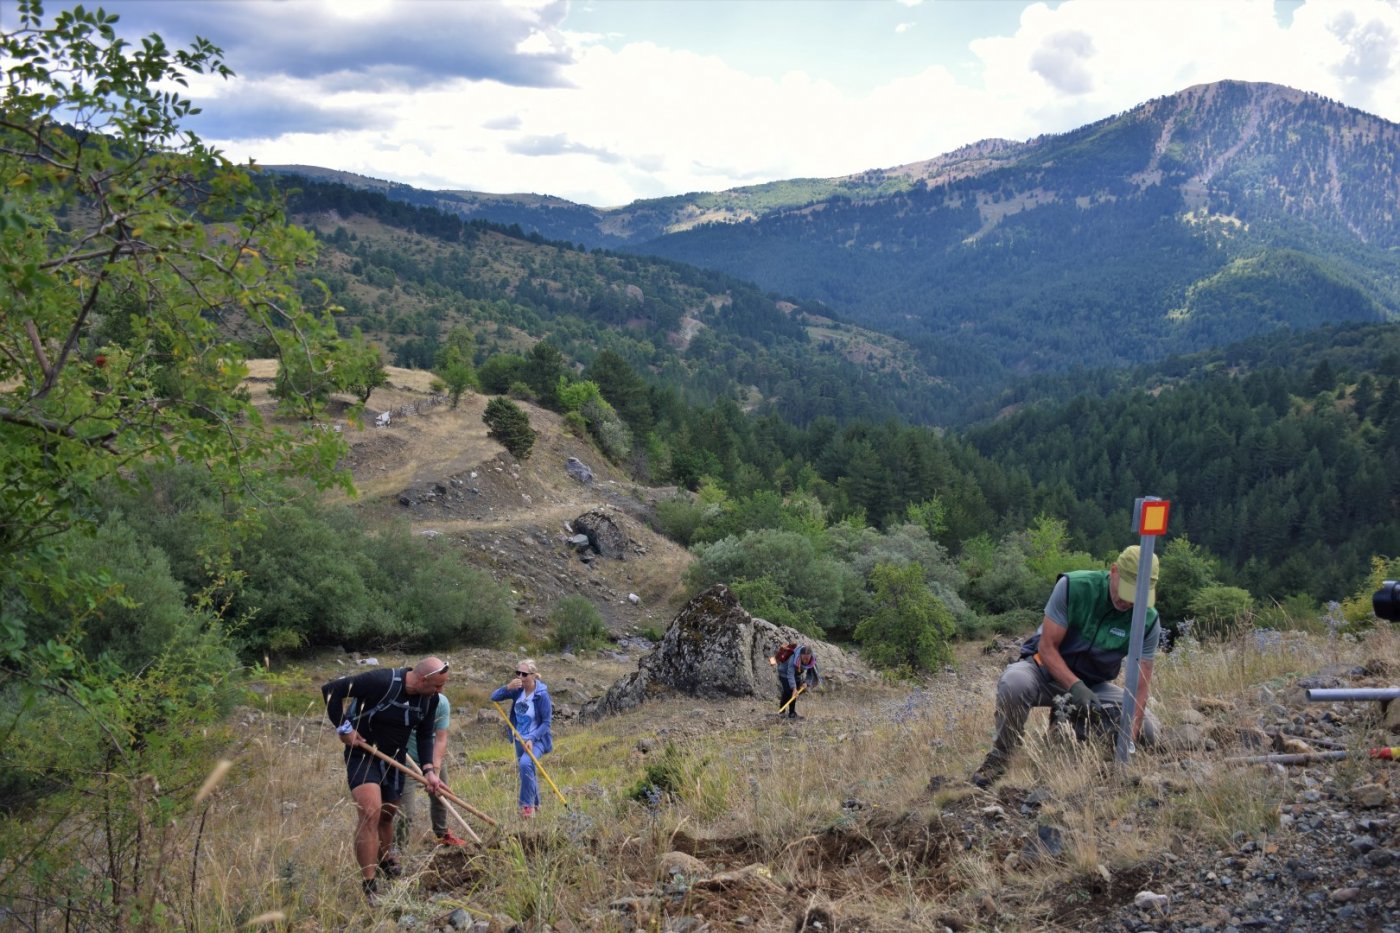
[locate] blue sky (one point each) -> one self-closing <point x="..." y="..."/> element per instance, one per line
<point x="607" y="101"/>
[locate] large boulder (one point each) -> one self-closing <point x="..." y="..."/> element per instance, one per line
<point x="578" y="470"/>
<point x="714" y="648"/>
<point x="605" y="535"/>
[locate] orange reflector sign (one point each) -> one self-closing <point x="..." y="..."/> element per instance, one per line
<point x="1153" y="520"/>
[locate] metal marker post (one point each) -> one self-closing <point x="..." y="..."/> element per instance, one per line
<point x="1150" y="520"/>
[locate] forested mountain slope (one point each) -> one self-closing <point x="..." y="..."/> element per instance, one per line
<point x="406" y="275"/>
<point x="1190" y="221"/>
<point x="1281" y="453"/>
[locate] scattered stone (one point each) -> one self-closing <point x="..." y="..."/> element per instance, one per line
<point x="578" y="470"/>
<point x="685" y="925"/>
<point x="1150" y="899"/>
<point x="1185" y="737"/>
<point x="679" y="863"/>
<point x="816" y="918"/>
<point x="750" y="876"/>
<point x="1048" y="843"/>
<point x="634" y="905"/>
<point x="1369" y="796"/>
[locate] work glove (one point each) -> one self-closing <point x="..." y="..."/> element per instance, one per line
<point x="1081" y="698"/>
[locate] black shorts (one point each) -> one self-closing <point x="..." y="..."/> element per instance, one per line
<point x="366" y="769"/>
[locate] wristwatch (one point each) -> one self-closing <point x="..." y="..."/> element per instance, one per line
<point x="345" y="728"/>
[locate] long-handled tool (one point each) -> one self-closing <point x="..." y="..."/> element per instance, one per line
<point x="523" y="744"/>
<point x="424" y="781"/>
<point x="791" y="698"/>
<point x="450" y="809"/>
<point x="1384" y="753"/>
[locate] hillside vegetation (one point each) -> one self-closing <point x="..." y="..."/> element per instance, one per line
<point x="214" y="495"/>
<point x="406" y="276"/>
<point x="1201" y="218"/>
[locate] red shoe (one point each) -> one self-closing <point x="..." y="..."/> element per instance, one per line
<point x="527" y="813"/>
<point x="450" y="838"/>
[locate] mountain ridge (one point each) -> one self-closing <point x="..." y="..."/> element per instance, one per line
<point x="1192" y="220"/>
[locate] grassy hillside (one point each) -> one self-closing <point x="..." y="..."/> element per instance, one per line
<point x="405" y="276"/>
<point x="856" y="817"/>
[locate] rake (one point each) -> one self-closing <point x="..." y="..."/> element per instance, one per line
<point x="791" y="699"/>
<point x="446" y="792"/>
<point x="447" y="803"/>
<point x="538" y="767"/>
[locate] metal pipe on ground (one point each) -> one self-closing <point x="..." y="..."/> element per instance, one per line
<point x="1303" y="758"/>
<point x="1353" y="694"/>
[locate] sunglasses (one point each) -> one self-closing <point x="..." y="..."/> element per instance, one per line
<point x="441" y="670"/>
<point x="524" y="673"/>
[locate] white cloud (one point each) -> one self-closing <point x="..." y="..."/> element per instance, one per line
<point x="407" y="90"/>
<point x="1063" y="59"/>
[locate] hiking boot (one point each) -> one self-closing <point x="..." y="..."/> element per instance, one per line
<point x="987" y="774"/>
<point x="449" y="838"/>
<point x="527" y="813"/>
<point x="371" y="888"/>
<point x="390" y="868"/>
<point x="795" y="716"/>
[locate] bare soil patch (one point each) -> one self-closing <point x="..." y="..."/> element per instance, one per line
<point x="436" y="468"/>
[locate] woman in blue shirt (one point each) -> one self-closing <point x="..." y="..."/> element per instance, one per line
<point x="531" y="713"/>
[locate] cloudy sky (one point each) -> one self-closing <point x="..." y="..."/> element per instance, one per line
<point x="607" y="101"/>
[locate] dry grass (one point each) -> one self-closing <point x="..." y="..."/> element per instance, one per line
<point x="833" y="814"/>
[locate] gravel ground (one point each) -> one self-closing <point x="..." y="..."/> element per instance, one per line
<point x="1334" y="861"/>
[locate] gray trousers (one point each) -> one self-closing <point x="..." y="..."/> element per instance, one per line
<point x="408" y="811"/>
<point x="1024" y="685"/>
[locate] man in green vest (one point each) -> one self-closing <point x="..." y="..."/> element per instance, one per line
<point x="1076" y="654"/>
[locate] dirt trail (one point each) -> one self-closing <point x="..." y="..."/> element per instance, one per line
<point x="435" y="467"/>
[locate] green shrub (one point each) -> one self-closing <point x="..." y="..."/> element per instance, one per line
<point x="575" y="424"/>
<point x="765" y="599"/>
<point x="1292" y="613"/>
<point x="1220" y="611"/>
<point x="433" y="598"/>
<point x="1016" y="622"/>
<point x="578" y="625"/>
<point x="146" y="616"/>
<point x="665" y="776"/>
<point x="811" y="582"/>
<point x="679" y="517"/>
<point x="508" y="424"/>
<point x="499" y="372"/>
<point x="910" y="628"/>
<point x="613" y="436"/>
